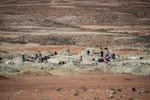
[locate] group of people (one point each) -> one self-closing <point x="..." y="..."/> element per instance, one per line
<point x="106" y="56"/>
<point x="37" y="57"/>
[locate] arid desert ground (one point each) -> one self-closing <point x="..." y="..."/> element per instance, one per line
<point x="51" y="49"/>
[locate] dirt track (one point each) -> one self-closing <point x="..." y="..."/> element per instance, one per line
<point x="91" y="86"/>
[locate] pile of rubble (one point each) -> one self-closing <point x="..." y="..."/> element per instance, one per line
<point x="90" y="59"/>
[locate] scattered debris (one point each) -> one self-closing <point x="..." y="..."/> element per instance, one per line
<point x="115" y="89"/>
<point x="90" y="59"/>
<point x="84" y="88"/>
<point x="110" y="96"/>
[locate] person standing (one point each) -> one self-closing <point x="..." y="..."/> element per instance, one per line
<point x="88" y="52"/>
<point x="106" y="52"/>
<point x="23" y="58"/>
<point x="101" y="53"/>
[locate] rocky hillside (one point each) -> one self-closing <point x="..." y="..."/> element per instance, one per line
<point x="65" y="15"/>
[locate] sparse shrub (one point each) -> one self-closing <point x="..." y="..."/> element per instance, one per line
<point x="123" y="32"/>
<point x="119" y="89"/>
<point x="146" y="91"/>
<point x="96" y="97"/>
<point x="59" y="89"/>
<point x="130" y="98"/>
<point x="76" y="93"/>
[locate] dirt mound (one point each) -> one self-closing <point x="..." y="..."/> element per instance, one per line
<point x="127" y="61"/>
<point x="65" y="52"/>
<point x="4" y="77"/>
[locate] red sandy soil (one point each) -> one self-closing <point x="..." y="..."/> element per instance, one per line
<point x="128" y="51"/>
<point x="41" y="48"/>
<point x="78" y="49"/>
<point x="73" y="49"/>
<point x="89" y="86"/>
